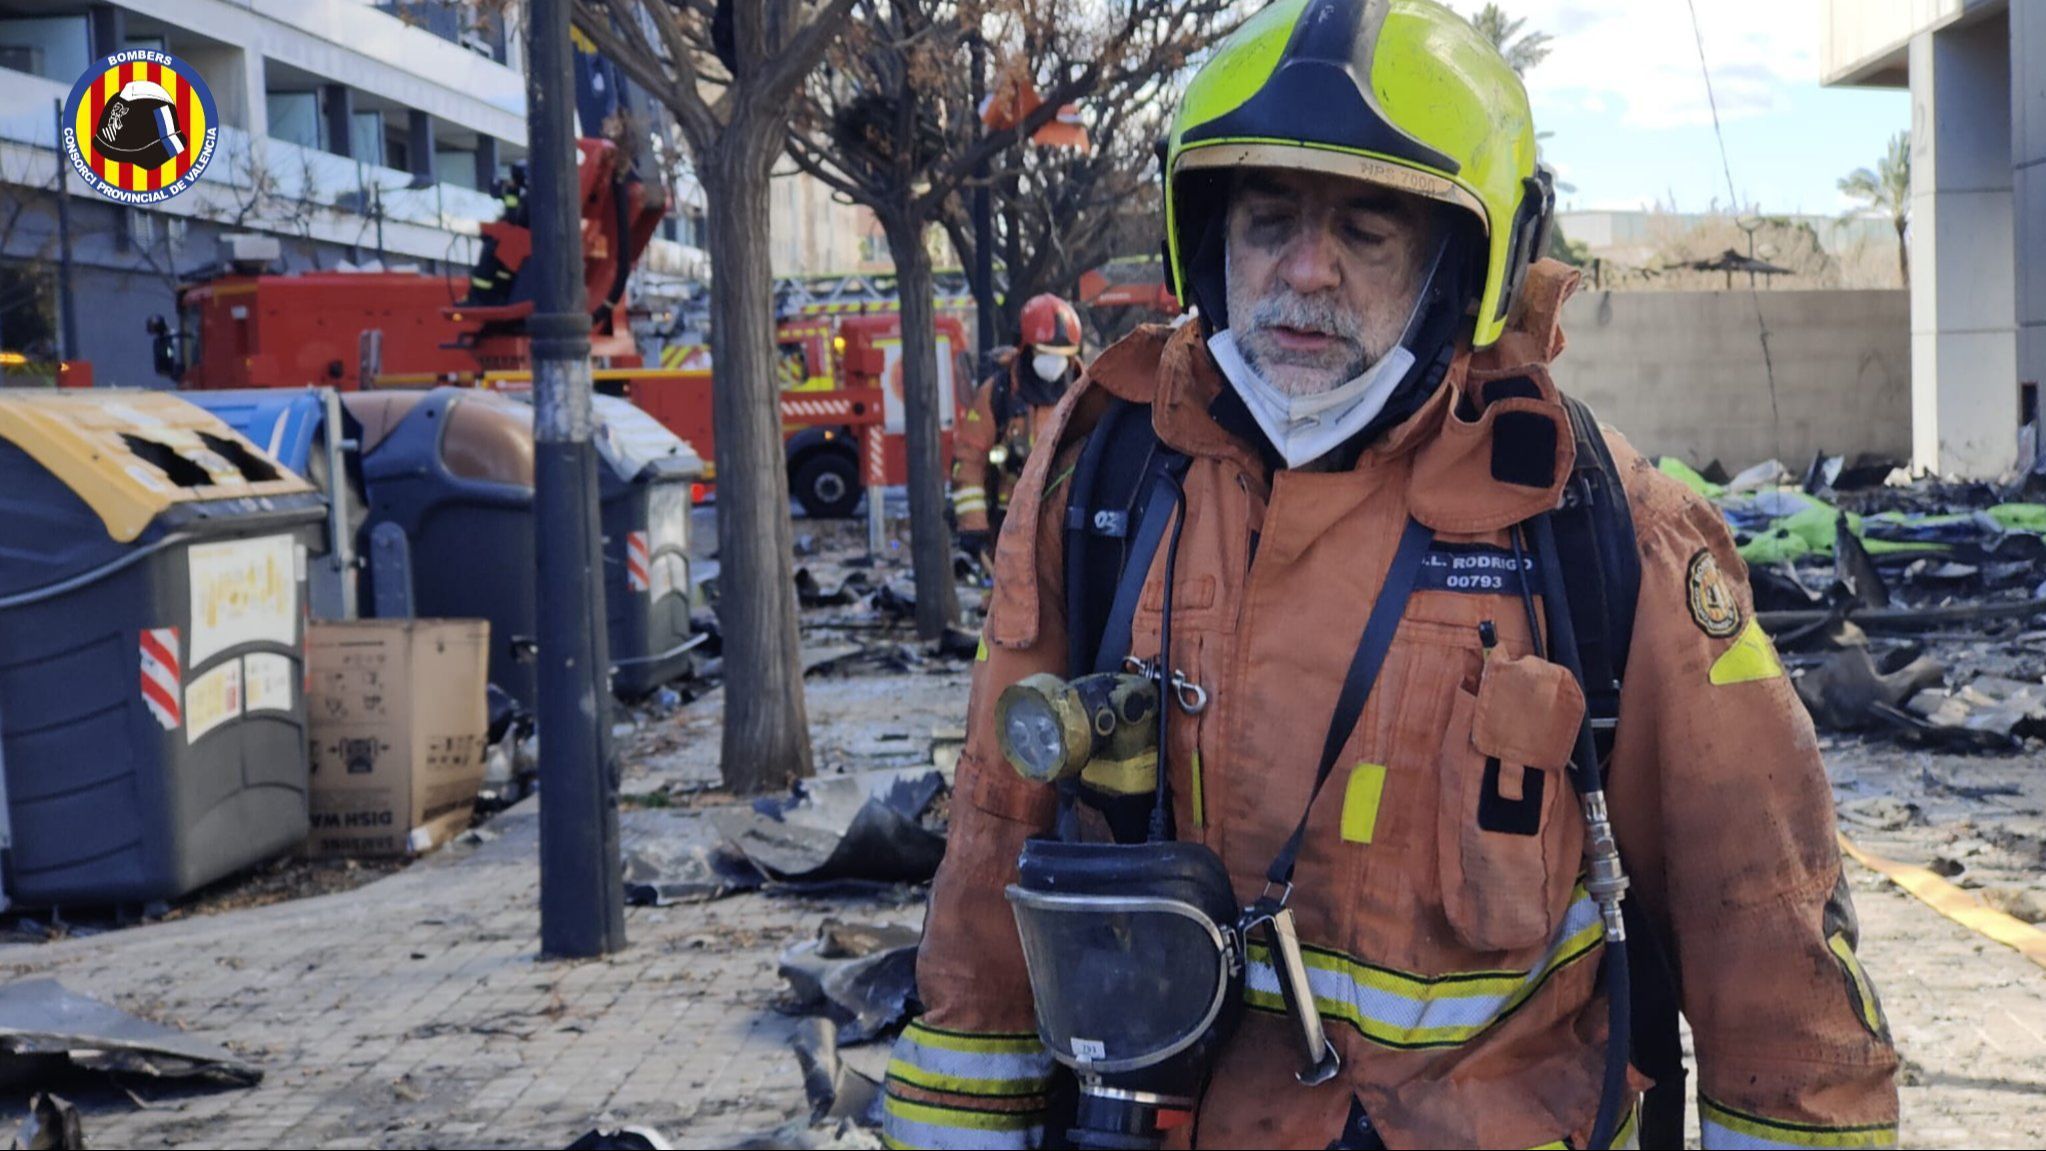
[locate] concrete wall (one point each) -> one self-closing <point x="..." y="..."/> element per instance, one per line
<point x="1963" y="266"/>
<point x="1681" y="373"/>
<point x="1863" y="41"/>
<point x="2028" y="192"/>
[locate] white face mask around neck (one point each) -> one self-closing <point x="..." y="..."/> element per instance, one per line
<point x="1306" y="428"/>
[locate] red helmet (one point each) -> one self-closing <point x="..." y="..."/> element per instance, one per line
<point x="1051" y="325"/>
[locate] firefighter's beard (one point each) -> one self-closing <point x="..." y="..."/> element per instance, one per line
<point x="1300" y="372"/>
<point x="1309" y="400"/>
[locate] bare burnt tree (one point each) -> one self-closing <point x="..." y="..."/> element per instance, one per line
<point x="729" y="72"/>
<point x="1061" y="212"/>
<point x="890" y="124"/>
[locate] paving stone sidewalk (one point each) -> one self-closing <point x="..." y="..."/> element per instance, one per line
<point x="413" y="1012"/>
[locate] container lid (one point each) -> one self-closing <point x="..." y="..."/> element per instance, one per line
<point x="132" y="455"/>
<point x="631" y="441"/>
<point x="281" y="421"/>
<point x="379" y="411"/>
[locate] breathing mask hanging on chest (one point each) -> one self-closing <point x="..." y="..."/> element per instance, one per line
<point x="1136" y="952"/>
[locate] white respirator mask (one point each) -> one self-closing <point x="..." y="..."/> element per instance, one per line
<point x="1050" y="366"/>
<point x="1306" y="428"/>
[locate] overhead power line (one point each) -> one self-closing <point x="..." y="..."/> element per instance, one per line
<point x="1734" y="205"/>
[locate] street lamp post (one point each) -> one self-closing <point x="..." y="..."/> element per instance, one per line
<point x="582" y="899"/>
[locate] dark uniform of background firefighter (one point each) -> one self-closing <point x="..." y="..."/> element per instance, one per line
<point x="996" y="435"/>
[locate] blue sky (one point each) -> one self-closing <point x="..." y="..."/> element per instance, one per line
<point x="1624" y="98"/>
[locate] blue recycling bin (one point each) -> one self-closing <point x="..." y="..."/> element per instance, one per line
<point x="448" y="476"/>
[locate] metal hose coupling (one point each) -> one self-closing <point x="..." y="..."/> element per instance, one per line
<point x="1607" y="881"/>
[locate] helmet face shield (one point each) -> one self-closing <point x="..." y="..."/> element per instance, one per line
<point x="1122" y="983"/>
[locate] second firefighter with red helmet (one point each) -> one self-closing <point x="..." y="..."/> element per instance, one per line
<point x="1008" y="410"/>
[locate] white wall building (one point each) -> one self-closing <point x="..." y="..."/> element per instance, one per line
<point x="356" y="130"/>
<point x="1976" y="70"/>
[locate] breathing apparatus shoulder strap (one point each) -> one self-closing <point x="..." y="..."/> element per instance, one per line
<point x="1358" y="681"/>
<point x="1595" y="539"/>
<point x="1594" y="531"/>
<point x="1112" y="486"/>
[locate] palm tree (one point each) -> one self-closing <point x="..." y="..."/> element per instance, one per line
<point x="1529" y="50"/>
<point x="1886" y="190"/>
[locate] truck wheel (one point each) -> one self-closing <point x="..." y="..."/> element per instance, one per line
<point x="827" y="485"/>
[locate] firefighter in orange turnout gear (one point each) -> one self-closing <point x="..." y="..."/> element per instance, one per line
<point x="1009" y="408"/>
<point x="1360" y="454"/>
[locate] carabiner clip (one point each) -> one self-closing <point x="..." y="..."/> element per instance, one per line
<point x="1190" y="695"/>
<point x="1265" y="896"/>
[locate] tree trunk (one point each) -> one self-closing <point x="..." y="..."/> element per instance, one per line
<point x="1019" y="285"/>
<point x="937" y="599"/>
<point x="1903" y="252"/>
<point x="767" y="728"/>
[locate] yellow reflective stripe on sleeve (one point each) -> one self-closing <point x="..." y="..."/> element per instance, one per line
<point x="1751" y="658"/>
<point x="908" y="1124"/>
<point x="1865" y="1002"/>
<point x="1401" y="1010"/>
<point x="1200" y="807"/>
<point x="985" y="1084"/>
<point x="901" y="1070"/>
<point x="1733" y="1130"/>
<point x="980" y="656"/>
<point x="985" y="1043"/>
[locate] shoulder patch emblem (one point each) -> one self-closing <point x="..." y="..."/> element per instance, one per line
<point x="1713" y="606"/>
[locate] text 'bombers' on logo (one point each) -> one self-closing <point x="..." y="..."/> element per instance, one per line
<point x="140" y="126"/>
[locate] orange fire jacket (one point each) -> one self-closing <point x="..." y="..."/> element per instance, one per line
<point x="1456" y="966"/>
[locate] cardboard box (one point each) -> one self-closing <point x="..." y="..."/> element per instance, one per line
<point x="397" y="719"/>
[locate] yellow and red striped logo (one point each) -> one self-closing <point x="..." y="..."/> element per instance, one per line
<point x="140" y="126"/>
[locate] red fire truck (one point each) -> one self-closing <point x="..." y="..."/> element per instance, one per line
<point x="842" y="400"/>
<point x="842" y="406"/>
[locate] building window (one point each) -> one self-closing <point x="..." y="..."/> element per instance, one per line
<point x="28" y="308"/>
<point x="295" y="118"/>
<point x="53" y="47"/>
<point x="685" y="228"/>
<point x="366" y="137"/>
<point x="145" y="230"/>
<point x="456" y="166"/>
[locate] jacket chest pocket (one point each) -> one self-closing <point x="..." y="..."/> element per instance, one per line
<point x="1509" y="842"/>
